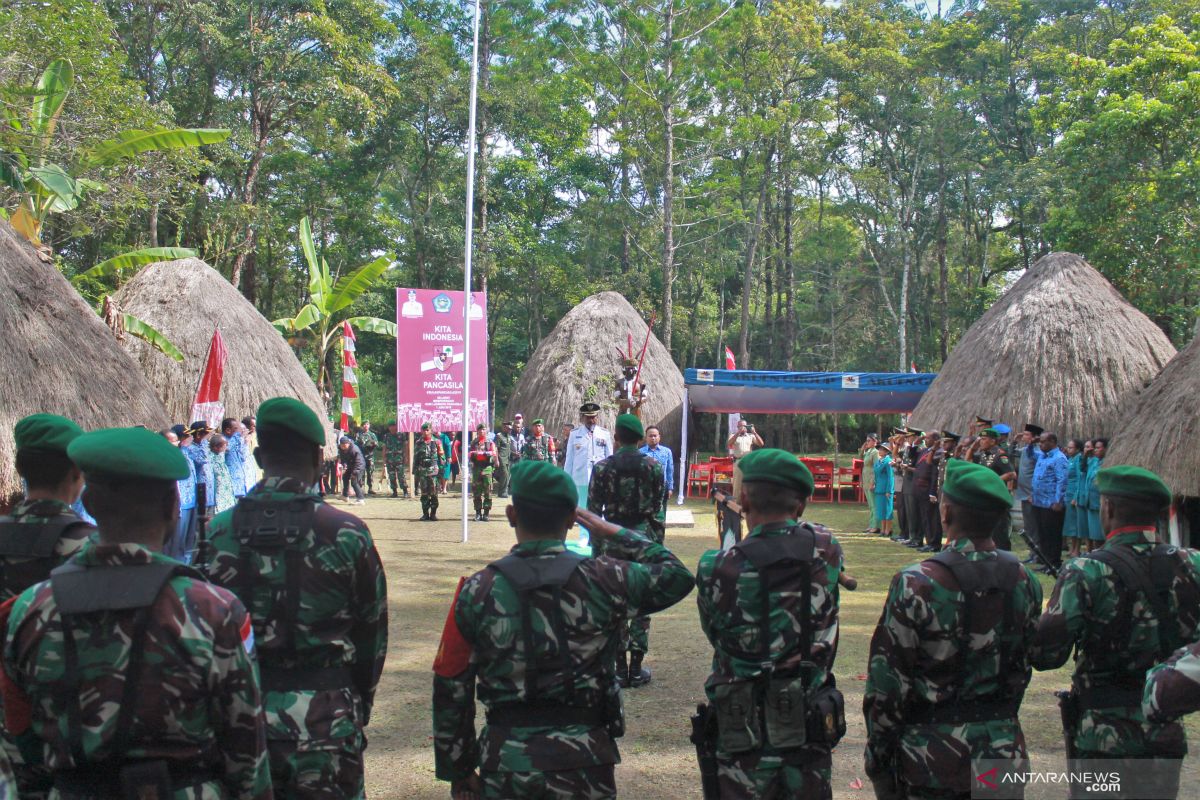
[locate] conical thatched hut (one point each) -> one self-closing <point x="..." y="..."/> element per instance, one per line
<point x="1061" y="348"/>
<point x="578" y="362"/>
<point x="186" y="300"/>
<point x="59" y="357"/>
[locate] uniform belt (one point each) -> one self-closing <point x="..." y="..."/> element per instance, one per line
<point x="306" y="679"/>
<point x="1107" y="695"/>
<point x="537" y="715"/>
<point x="961" y="712"/>
<point x="102" y="780"/>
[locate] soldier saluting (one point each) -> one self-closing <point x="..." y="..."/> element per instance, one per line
<point x="537" y="630"/>
<point x="139" y="674"/>
<point x="769" y="606"/>
<point x="949" y="659"/>
<point x="1123" y="609"/>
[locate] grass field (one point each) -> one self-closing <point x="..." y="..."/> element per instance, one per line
<point x="424" y="562"/>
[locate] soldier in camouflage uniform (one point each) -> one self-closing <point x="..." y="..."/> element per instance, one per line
<point x="428" y="458"/>
<point x="987" y="452"/>
<point x="1173" y="688"/>
<point x="368" y="443"/>
<point x="504" y="449"/>
<point x="767" y="668"/>
<point x="628" y="488"/>
<point x="949" y="659"/>
<point x="1123" y="609"/>
<point x="313" y="583"/>
<point x="483" y="460"/>
<point x="131" y="672"/>
<point x="394" y="458"/>
<point x="539" y="446"/>
<point x="538" y="630"/>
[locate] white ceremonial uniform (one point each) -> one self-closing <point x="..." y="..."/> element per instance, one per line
<point x="584" y="448"/>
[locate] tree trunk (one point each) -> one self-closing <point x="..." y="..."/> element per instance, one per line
<point x="668" y="112"/>
<point x="902" y="316"/>
<point x="153" y="225"/>
<point x="482" y="254"/>
<point x="748" y="262"/>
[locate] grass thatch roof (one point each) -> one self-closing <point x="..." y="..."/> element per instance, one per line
<point x="58" y="356"/>
<point x="1062" y="348"/>
<point x="1156" y="428"/>
<point x="186" y="300"/>
<point x="578" y="362"/>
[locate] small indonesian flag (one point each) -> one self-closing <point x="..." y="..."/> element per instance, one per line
<point x="207" y="405"/>
<point x="454" y="652"/>
<point x="248" y="635"/>
<point x="349" y="378"/>
<point x="729" y="362"/>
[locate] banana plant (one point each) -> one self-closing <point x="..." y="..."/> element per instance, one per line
<point x="46" y="188"/>
<point x="319" y="322"/>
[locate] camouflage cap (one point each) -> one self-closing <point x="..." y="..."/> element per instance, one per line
<point x="127" y="453"/>
<point x="45" y="433"/>
<point x="1133" y="482"/>
<point x="975" y="486"/>
<point x="290" y="413"/>
<point x="631" y="425"/>
<point x="770" y="465"/>
<point x="543" y="484"/>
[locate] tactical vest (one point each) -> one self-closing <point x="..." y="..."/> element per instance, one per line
<point x="34" y="544"/>
<point x="777" y="707"/>
<point x="277" y="529"/>
<point x="82" y="591"/>
<point x="482" y="457"/>
<point x="629" y="464"/>
<point x="1119" y="676"/>
<point x="983" y="584"/>
<point x="536" y="574"/>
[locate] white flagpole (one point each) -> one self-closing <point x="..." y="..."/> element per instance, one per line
<point x="464" y="468"/>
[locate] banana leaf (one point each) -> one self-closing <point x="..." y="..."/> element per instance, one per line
<point x="373" y="325"/>
<point x="350" y="287"/>
<point x="147" y="333"/>
<point x="50" y="94"/>
<point x="131" y="143"/>
<point x="134" y="258"/>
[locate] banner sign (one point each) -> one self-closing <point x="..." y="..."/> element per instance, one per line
<point x="430" y="359"/>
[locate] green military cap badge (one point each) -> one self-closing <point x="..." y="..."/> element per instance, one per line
<point x="290" y="413"/>
<point x="1133" y="482"/>
<point x="630" y="424"/>
<point x="770" y="465"/>
<point x="127" y="453"/>
<point x="543" y="484"/>
<point x="45" y="433"/>
<point x="992" y="432"/>
<point x="975" y="486"/>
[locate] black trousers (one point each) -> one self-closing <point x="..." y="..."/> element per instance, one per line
<point x="914" y="527"/>
<point x="933" y="525"/>
<point x="352" y="478"/>
<point x="1029" y="519"/>
<point x="1050" y="528"/>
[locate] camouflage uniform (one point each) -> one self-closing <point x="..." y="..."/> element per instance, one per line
<point x="394" y="457"/>
<point x="194" y="702"/>
<point x="997" y="461"/>
<point x="940" y="694"/>
<point x="428" y="458"/>
<point x="1173" y="687"/>
<point x="731" y="604"/>
<point x="504" y="448"/>
<point x="482" y="458"/>
<point x="368" y="442"/>
<point x="19" y="572"/>
<point x="319" y="607"/>
<point x="539" y="448"/>
<point x="565" y="760"/>
<point x="1116" y="635"/>
<point x="628" y="488"/>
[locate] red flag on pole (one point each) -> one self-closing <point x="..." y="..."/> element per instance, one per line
<point x="729" y="362"/>
<point x="208" y="406"/>
<point x="350" y="407"/>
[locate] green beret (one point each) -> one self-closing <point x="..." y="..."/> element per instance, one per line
<point x="538" y="421"/>
<point x="127" y="453"/>
<point x="290" y="413"/>
<point x="631" y="425"/>
<point x="1133" y="482"/>
<point x="544" y="484"/>
<point x="46" y="433"/>
<point x="990" y="432"/>
<point x="425" y="426"/>
<point x="975" y="486"/>
<point x="769" y="465"/>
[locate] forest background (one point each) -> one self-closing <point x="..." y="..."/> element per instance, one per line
<point x="819" y="186"/>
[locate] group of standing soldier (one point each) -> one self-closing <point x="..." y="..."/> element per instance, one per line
<point x="127" y="674"/>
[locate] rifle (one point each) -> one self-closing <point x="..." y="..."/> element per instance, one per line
<point x="729" y="518"/>
<point x="201" y="524"/>
<point x="1051" y="570"/>
<point x="1068" y="708"/>
<point x="704" y="737"/>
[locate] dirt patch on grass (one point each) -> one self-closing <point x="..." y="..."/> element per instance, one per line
<point x="424" y="561"/>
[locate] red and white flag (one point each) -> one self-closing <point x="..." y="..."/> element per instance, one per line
<point x="208" y="406"/>
<point x="912" y="367"/>
<point x="729" y="362"/>
<point x="349" y="378"/>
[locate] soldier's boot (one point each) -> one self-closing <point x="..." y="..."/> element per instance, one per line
<point x="433" y="507"/>
<point x="487" y="508"/>
<point x="623" y="669"/>
<point x="424" y="508"/>
<point x="638" y="675"/>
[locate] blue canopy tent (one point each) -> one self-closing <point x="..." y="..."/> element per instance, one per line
<point x="764" y="392"/>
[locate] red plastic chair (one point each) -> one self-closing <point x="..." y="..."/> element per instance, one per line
<point x="822" y="472"/>
<point x="699" y="475"/>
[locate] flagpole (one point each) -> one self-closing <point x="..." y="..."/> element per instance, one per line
<point x="464" y="470"/>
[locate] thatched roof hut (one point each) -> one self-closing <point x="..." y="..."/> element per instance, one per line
<point x="58" y="356"/>
<point x="1061" y="348"/>
<point x="186" y="300"/>
<point x="578" y="362"/>
<point x="1156" y="428"/>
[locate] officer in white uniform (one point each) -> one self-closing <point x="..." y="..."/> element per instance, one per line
<point x="587" y="444"/>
